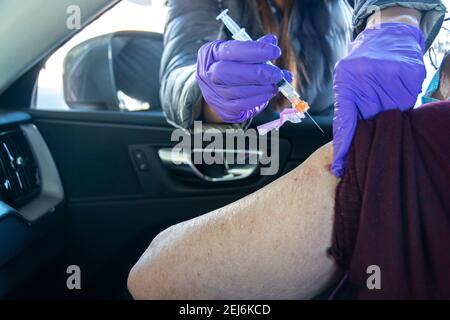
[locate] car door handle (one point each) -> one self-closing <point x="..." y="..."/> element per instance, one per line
<point x="182" y="162"/>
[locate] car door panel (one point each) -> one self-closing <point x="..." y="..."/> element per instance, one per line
<point x="96" y="163"/>
<point x="114" y="210"/>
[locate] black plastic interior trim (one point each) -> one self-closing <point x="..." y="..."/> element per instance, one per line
<point x="6" y="212"/>
<point x="9" y="118"/>
<point x="114" y="141"/>
<point x="150" y="118"/>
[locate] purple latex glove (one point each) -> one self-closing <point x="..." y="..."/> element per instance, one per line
<point x="383" y="71"/>
<point x="235" y="79"/>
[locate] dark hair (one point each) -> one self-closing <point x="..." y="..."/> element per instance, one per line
<point x="287" y="60"/>
<point x="315" y="27"/>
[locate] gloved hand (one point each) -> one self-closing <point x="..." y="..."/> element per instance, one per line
<point x="235" y="79"/>
<point x="383" y="71"/>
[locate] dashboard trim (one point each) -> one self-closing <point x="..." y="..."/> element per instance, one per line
<point x="52" y="193"/>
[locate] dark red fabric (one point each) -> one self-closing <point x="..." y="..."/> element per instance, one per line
<point x="393" y="205"/>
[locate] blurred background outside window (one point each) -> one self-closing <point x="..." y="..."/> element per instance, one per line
<point x="150" y="15"/>
<point x="138" y="15"/>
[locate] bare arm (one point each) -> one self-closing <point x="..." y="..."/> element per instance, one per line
<point x="395" y="14"/>
<point x="270" y="245"/>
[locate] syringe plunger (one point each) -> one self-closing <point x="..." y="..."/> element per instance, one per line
<point x="229" y="23"/>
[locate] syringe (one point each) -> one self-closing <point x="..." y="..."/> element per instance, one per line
<point x="283" y="86"/>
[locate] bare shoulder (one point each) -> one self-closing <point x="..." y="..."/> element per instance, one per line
<point x="310" y="188"/>
<point x="270" y="244"/>
<point x="319" y="162"/>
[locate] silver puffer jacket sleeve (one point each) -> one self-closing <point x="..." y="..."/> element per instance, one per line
<point x="190" y="24"/>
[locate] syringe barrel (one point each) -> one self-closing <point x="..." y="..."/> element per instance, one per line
<point x="287" y="90"/>
<point x="240" y="34"/>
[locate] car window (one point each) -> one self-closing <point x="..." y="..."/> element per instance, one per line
<point x="73" y="78"/>
<point x="132" y="25"/>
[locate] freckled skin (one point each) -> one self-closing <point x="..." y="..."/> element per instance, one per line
<point x="269" y="245"/>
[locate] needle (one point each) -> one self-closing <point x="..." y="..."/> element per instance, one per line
<point x="317" y="125"/>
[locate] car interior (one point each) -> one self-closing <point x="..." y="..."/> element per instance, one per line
<point x="91" y="186"/>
